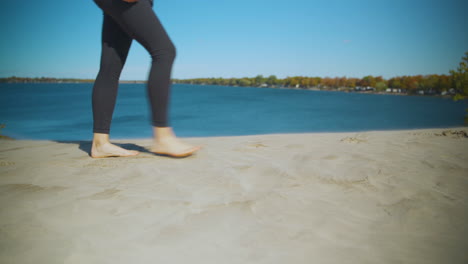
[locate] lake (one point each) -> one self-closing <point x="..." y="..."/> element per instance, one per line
<point x="62" y="111"/>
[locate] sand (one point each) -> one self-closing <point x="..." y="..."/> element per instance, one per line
<point x="367" y="197"/>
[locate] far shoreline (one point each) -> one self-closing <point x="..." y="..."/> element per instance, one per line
<point x="426" y="85"/>
<point x="340" y="89"/>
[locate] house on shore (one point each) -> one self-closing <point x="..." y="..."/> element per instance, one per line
<point x="363" y="89"/>
<point x="395" y="90"/>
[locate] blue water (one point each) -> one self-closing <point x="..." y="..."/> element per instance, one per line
<point x="63" y="111"/>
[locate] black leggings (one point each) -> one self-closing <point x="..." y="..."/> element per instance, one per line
<point x="122" y="23"/>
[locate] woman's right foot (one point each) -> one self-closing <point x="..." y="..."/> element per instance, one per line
<point x="110" y="150"/>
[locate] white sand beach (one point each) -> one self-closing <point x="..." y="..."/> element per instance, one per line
<point x="365" y="197"/>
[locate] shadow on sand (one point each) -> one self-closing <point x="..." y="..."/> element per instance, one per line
<point x="85" y="146"/>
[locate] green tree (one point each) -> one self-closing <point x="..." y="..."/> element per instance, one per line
<point x="293" y="81"/>
<point x="259" y="80"/>
<point x="233" y="81"/>
<point x="460" y="80"/>
<point x="380" y="86"/>
<point x="394" y="82"/>
<point x="244" y="82"/>
<point x="271" y="80"/>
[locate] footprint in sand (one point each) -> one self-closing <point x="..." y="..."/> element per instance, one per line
<point x="256" y="145"/>
<point x="106" y="194"/>
<point x="251" y="146"/>
<point x="31" y="188"/>
<point x="353" y="140"/>
<point x="347" y="170"/>
<point x="330" y="157"/>
<point x="5" y="163"/>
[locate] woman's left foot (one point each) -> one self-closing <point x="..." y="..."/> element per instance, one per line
<point x="110" y="150"/>
<point x="173" y="147"/>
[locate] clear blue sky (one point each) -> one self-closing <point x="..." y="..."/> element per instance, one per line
<point x="244" y="38"/>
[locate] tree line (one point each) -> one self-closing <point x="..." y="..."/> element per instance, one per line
<point x="433" y="82"/>
<point x="411" y="84"/>
<point x="14" y="79"/>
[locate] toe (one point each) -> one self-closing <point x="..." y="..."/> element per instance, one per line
<point x="191" y="150"/>
<point x="134" y="152"/>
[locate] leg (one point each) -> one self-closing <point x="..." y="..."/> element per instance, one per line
<point x="115" y="46"/>
<point x="140" y="22"/>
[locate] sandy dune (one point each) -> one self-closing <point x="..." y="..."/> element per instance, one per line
<point x="368" y="197"/>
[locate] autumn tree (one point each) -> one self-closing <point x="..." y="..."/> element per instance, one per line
<point x="328" y="82"/>
<point x="367" y="81"/>
<point x="351" y="82"/>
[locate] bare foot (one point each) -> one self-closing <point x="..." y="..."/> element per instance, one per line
<point x="173" y="147"/>
<point x="110" y="150"/>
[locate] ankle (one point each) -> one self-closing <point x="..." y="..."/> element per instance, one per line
<point x="100" y="139"/>
<point x="162" y="134"/>
<point x="100" y="143"/>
